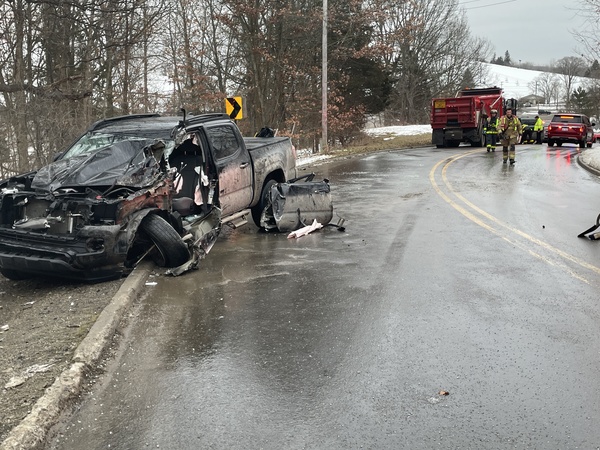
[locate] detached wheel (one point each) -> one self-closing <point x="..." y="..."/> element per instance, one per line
<point x="263" y="203"/>
<point x="170" y="251"/>
<point x="15" y="275"/>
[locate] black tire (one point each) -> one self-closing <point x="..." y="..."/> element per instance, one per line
<point x="15" y="275"/>
<point x="582" y="144"/>
<point x="263" y="202"/>
<point x="589" y="144"/>
<point x="481" y="142"/>
<point x="440" y="145"/>
<point x="171" y="251"/>
<point x="550" y="143"/>
<point x="559" y="144"/>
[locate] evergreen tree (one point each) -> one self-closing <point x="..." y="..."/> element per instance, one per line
<point x="468" y="80"/>
<point x="581" y="100"/>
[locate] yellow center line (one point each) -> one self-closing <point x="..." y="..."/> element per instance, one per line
<point x="494" y="220"/>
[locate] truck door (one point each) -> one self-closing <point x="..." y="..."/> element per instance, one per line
<point x="234" y="167"/>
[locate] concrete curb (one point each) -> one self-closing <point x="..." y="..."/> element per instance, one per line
<point x="31" y="433"/>
<point x="582" y="159"/>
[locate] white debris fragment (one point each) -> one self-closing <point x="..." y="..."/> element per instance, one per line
<point x="305" y="230"/>
<point x="14" y="382"/>
<point x="4" y="328"/>
<point x="18" y="380"/>
<point x="37" y="368"/>
<point x="151" y="283"/>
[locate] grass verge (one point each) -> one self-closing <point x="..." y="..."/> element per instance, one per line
<point x="368" y="144"/>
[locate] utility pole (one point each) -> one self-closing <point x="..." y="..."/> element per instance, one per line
<point x="324" y="146"/>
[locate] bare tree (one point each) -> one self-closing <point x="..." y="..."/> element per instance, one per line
<point x="589" y="36"/>
<point x="427" y="46"/>
<point x="569" y="68"/>
<point x="545" y="85"/>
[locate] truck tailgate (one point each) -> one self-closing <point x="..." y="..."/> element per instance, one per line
<point x="454" y="111"/>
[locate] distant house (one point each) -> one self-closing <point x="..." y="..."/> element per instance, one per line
<point x="531" y="100"/>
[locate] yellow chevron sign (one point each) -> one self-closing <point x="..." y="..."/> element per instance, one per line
<point x="233" y="107"/>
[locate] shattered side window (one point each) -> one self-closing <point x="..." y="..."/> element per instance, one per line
<point x="224" y="140"/>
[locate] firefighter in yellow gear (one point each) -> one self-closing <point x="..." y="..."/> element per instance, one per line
<point x="538" y="128"/>
<point x="527" y="137"/>
<point x="490" y="128"/>
<point x="511" y="130"/>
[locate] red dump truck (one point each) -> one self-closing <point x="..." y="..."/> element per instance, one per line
<point x="460" y="119"/>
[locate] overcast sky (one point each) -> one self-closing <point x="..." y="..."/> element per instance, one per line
<point x="536" y="31"/>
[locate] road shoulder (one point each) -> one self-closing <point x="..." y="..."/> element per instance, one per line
<point x="32" y="431"/>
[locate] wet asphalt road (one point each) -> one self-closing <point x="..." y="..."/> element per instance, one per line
<point x="455" y="273"/>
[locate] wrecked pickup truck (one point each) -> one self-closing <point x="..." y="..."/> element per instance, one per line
<point x="136" y="186"/>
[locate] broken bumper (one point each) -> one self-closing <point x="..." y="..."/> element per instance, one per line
<point x="91" y="255"/>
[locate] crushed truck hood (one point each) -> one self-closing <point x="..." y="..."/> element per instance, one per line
<point x="126" y="163"/>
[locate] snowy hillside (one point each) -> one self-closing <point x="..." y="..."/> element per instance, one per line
<point x="515" y="82"/>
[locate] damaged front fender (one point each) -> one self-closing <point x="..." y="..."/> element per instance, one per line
<point x="202" y="233"/>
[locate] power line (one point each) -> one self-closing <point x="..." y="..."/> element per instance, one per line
<point x="485" y="6"/>
<point x="469" y="1"/>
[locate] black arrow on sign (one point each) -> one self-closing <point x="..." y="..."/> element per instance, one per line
<point x="236" y="107"/>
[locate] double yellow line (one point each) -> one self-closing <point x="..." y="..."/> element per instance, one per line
<point x="501" y="229"/>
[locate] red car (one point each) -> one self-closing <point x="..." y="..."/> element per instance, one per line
<point x="573" y="128"/>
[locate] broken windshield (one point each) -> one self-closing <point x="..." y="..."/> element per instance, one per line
<point x="124" y="163"/>
<point x="92" y="142"/>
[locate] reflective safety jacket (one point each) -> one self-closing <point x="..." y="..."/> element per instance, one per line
<point x="491" y="125"/>
<point x="539" y="125"/>
<point x="510" y="126"/>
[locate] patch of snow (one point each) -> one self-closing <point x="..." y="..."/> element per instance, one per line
<point x="404" y="130"/>
<point x="309" y="159"/>
<point x="305" y="157"/>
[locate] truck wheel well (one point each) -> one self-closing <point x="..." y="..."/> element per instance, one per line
<point x="264" y="201"/>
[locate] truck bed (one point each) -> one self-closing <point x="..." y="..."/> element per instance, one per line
<point x="253" y="143"/>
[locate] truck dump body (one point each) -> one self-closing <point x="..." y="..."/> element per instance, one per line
<point x="453" y="112"/>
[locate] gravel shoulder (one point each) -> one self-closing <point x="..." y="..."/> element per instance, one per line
<point x="41" y="324"/>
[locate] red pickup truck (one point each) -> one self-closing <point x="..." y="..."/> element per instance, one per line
<point x="573" y="128"/>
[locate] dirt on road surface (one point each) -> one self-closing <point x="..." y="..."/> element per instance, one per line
<point x="41" y="324"/>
